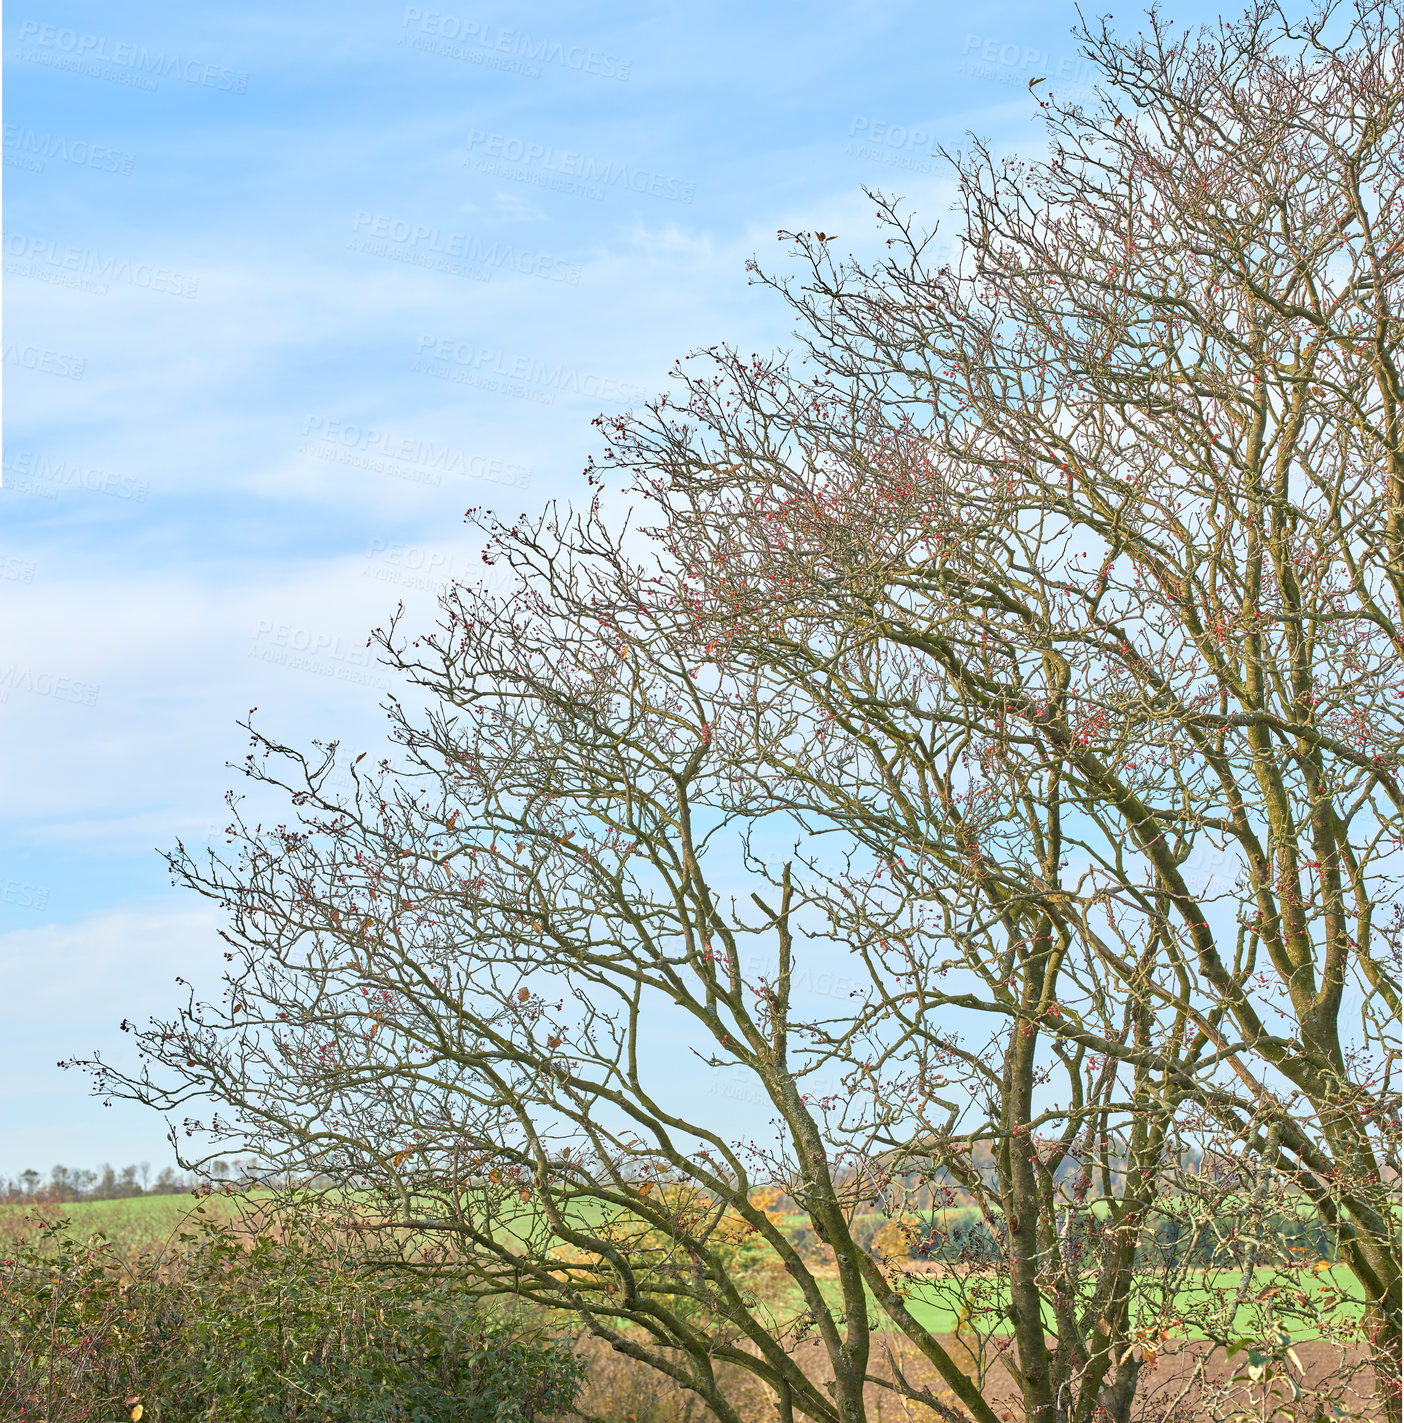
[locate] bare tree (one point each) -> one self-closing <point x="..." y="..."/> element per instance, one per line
<point x="1088" y="552"/>
<point x="1059" y="577"/>
<point x="443" y="990"/>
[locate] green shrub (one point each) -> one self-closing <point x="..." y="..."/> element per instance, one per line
<point x="282" y="1329"/>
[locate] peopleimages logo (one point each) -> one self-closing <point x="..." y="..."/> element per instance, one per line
<point x="84" y="270"/>
<point x="62" y="48"/>
<point x="27" y="896"/>
<point x="314" y="643"/>
<point x="403" y="456"/>
<point x="991" y="57"/>
<point x="46" y="684"/>
<point x="487" y="362"/>
<point x="442" y="251"/>
<point x="37" y="358"/>
<point x="437" y="27"/>
<point x="897" y="145"/>
<point x="44" y="476"/>
<point x="310" y="650"/>
<point x="508" y="157"/>
<point x="24" y="148"/>
<point x="16" y="570"/>
<point x="431" y="569"/>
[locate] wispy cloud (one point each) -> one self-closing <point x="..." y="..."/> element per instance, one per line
<point x="309" y="328"/>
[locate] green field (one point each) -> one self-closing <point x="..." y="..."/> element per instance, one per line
<point x="935" y="1311"/>
<point x="936" y="1308"/>
<point x="132" y="1223"/>
<point x="146" y="1222"/>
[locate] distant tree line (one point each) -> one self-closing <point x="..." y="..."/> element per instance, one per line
<point x="107" y="1184"/>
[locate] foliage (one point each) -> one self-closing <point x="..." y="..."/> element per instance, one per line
<point x="268" y="1324"/>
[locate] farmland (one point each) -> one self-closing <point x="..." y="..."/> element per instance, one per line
<point x="133" y="1223"/>
<point x="933" y="1291"/>
<point x="961" y="1303"/>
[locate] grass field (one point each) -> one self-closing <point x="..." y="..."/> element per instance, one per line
<point x="133" y="1224"/>
<point x="935" y="1309"/>
<point x="147" y="1222"/>
<point x="1205" y="1293"/>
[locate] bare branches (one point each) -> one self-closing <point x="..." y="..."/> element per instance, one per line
<point x="1030" y="661"/>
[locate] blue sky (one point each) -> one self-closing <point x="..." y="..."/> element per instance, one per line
<point x="287" y="288"/>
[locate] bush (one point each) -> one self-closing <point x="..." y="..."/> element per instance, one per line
<point x="278" y="1328"/>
